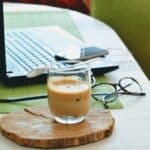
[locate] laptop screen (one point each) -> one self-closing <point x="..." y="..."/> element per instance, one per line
<point x="2" y="44"/>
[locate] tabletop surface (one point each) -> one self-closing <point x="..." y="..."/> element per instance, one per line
<point x="132" y="123"/>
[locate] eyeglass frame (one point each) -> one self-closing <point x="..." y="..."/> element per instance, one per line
<point x="115" y="85"/>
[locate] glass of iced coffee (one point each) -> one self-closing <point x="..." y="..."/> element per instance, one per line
<point x="69" y="94"/>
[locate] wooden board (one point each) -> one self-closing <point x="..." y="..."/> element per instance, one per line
<point x="34" y="127"/>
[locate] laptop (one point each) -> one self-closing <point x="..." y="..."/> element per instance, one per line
<point x="23" y="50"/>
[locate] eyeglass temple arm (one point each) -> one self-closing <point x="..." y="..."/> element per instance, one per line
<point x="135" y="94"/>
<point x="127" y="92"/>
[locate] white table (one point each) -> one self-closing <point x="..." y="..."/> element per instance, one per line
<point x="132" y="124"/>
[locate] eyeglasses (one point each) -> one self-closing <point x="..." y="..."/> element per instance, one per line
<point x="108" y="92"/>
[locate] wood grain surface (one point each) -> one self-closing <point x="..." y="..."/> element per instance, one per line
<point x="35" y="127"/>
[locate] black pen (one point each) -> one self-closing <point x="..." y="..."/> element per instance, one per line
<point x="10" y="100"/>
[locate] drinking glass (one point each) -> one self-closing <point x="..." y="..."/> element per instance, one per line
<point x="69" y="94"/>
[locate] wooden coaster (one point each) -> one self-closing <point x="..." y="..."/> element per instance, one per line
<point x="34" y="127"/>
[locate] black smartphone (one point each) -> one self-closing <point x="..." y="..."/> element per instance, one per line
<point x="83" y="53"/>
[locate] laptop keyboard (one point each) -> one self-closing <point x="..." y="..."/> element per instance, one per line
<point x="29" y="52"/>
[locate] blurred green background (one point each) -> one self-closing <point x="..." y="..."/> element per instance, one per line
<point x="131" y="20"/>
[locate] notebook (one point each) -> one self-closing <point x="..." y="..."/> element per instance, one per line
<point x="25" y="49"/>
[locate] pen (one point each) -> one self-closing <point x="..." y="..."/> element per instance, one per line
<point x="10" y="100"/>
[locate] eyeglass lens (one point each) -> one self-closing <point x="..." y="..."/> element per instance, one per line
<point x="104" y="92"/>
